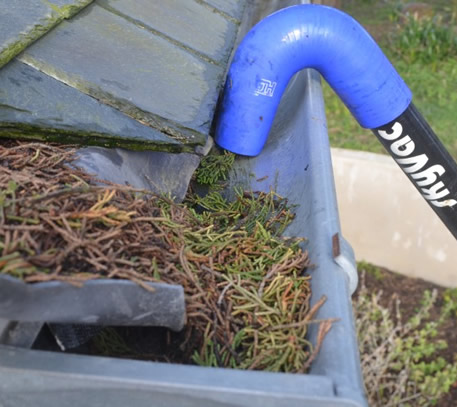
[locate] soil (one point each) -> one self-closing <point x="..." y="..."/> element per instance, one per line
<point x="410" y="292"/>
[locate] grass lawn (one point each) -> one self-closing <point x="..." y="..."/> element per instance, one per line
<point x="425" y="54"/>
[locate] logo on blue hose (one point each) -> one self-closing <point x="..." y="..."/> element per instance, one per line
<point x="265" y="88"/>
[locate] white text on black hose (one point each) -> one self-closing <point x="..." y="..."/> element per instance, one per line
<point x="425" y="175"/>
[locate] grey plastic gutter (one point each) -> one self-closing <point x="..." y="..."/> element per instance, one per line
<point x="41" y="379"/>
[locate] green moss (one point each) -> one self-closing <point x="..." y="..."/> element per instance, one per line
<point x="24" y="40"/>
<point x="450" y="302"/>
<point x="214" y="168"/>
<point x="68" y="10"/>
<point x="54" y="18"/>
<point x="369" y="268"/>
<point x="24" y="131"/>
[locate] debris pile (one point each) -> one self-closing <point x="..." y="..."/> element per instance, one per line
<point x="248" y="303"/>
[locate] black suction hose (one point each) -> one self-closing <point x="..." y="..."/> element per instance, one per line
<point x="425" y="161"/>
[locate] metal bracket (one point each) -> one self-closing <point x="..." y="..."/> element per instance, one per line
<point x="343" y="255"/>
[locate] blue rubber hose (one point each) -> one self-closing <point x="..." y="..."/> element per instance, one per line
<point x="298" y="37"/>
<point x="332" y="42"/>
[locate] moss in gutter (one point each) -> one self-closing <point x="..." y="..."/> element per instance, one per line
<point x="57" y="15"/>
<point x="247" y="301"/>
<point x="214" y="167"/>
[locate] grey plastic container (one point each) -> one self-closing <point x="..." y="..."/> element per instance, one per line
<point x="297" y="163"/>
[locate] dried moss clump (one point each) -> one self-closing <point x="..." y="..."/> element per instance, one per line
<point x="247" y="300"/>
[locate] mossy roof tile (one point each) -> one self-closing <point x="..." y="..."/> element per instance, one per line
<point x="158" y="64"/>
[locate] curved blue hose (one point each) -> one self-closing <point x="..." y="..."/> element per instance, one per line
<point x="298" y="37"/>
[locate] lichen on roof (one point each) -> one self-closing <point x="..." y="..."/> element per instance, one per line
<point x="22" y="23"/>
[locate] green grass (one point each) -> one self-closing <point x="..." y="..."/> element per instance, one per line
<point x="372" y="12"/>
<point x="434" y="94"/>
<point x="365" y="267"/>
<point x="425" y="55"/>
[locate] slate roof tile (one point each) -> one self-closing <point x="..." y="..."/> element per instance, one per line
<point x="188" y="24"/>
<point x="33" y="104"/>
<point x="154" y="65"/>
<point x="230" y="7"/>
